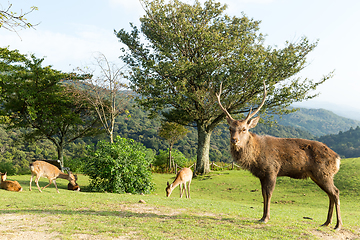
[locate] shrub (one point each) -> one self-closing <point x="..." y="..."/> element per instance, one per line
<point x="121" y="167"/>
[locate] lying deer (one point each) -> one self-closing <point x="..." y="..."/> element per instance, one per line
<point x="9" y="185"/>
<point x="269" y="157"/>
<point x="49" y="171"/>
<point x="75" y="187"/>
<point x="183" y="177"/>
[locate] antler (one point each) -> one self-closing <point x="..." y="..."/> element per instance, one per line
<point x="221" y="106"/>
<point x="250" y="115"/>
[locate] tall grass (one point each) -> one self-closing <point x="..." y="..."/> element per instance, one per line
<point x="223" y="205"/>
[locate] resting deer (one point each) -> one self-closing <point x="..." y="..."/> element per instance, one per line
<point x="9" y="185"/>
<point x="183" y="177"/>
<point x="49" y="171"/>
<point x="268" y="157"/>
<point x="75" y="187"/>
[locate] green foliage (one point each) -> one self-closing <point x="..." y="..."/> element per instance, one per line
<point x="172" y="132"/>
<point x="121" y="167"/>
<point x="161" y="162"/>
<point x="346" y="144"/>
<point x="36" y="98"/>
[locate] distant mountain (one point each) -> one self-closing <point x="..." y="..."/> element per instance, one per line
<point x="318" y="122"/>
<point x="341" y="110"/>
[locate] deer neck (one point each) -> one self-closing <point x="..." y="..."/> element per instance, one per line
<point x="246" y="155"/>
<point x="64" y="176"/>
<point x="175" y="184"/>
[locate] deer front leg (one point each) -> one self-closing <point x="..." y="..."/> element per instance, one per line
<point x="37" y="183"/>
<point x="267" y="188"/>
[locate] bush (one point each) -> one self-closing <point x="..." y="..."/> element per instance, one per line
<point x="121" y="167"/>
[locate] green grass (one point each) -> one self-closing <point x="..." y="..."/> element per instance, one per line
<point x="223" y="205"/>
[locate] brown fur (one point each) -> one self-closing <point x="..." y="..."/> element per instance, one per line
<point x="75" y="187"/>
<point x="183" y="179"/>
<point x="9" y="185"/>
<point x="269" y="157"/>
<point x="49" y="171"/>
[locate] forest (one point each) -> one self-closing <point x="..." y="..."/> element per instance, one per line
<point x="16" y="153"/>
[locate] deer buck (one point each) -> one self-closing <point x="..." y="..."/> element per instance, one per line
<point x="268" y="157"/>
<point x="9" y="185"/>
<point x="49" y="171"/>
<point x="183" y="178"/>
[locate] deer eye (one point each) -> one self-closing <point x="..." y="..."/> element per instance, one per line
<point x="244" y="130"/>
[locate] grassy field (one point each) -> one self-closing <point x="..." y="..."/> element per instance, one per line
<point x="223" y="205"/>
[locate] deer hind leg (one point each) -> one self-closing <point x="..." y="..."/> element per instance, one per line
<point x="188" y="188"/>
<point x="185" y="189"/>
<point x="267" y="188"/>
<point x="48" y="184"/>
<point x="181" y="190"/>
<point x="327" y="185"/>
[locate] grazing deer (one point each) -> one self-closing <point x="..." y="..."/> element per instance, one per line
<point x="183" y="177"/>
<point x="268" y="157"/>
<point x="9" y="185"/>
<point x="49" y="171"/>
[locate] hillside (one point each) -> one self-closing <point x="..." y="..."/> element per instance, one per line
<point x="16" y="154"/>
<point x="347" y="144"/>
<point x="318" y="122"/>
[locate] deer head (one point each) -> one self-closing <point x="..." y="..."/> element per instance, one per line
<point x="239" y="129"/>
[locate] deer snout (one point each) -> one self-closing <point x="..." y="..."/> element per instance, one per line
<point x="233" y="140"/>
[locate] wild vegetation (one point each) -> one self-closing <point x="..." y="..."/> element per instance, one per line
<point x="346" y="143"/>
<point x="16" y="153"/>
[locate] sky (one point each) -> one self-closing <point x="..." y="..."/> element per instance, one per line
<point x="70" y="32"/>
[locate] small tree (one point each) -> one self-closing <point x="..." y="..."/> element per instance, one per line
<point x="161" y="160"/>
<point x="36" y="98"/>
<point x="105" y="91"/>
<point x="121" y="167"/>
<point x="172" y="132"/>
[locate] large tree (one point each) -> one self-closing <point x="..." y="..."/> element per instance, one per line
<point x="186" y="51"/>
<point x="38" y="99"/>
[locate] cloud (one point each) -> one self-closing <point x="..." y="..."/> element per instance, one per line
<point x="63" y="51"/>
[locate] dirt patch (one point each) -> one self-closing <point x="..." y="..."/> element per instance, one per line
<point x="23" y="227"/>
<point x="338" y="235"/>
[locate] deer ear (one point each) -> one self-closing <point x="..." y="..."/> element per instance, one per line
<point x="168" y="183"/>
<point x="253" y="122"/>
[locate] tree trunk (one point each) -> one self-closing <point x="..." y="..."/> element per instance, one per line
<point x="202" y="164"/>
<point x="111" y="137"/>
<point x="170" y="157"/>
<point x="60" y="150"/>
